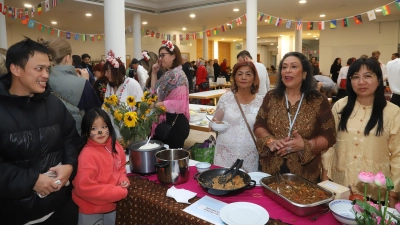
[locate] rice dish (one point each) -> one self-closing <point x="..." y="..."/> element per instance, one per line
<point x="149" y="146"/>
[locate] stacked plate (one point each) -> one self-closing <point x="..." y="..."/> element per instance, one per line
<point x="244" y="213"/>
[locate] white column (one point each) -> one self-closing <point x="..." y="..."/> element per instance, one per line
<point x="251" y="27"/>
<point x="114" y="27"/>
<point x="3" y="29"/>
<point x="205" y="45"/>
<point x="264" y="55"/>
<point x="283" y="46"/>
<point x="216" y="51"/>
<point x="298" y="43"/>
<point x="137" y="35"/>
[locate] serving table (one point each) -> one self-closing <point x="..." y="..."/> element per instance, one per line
<point x="213" y="94"/>
<point x="147" y="203"/>
<point x="194" y="125"/>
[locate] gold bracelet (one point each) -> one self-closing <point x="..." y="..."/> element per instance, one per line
<point x="269" y="141"/>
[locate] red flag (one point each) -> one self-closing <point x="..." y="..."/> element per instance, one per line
<point x="194" y="36"/>
<point x="20" y="13"/>
<point x="223" y="28"/>
<point x="4" y="10"/>
<point x="152" y="33"/>
<point x="1" y="7"/>
<point x="25" y="20"/>
<point x="208" y="33"/>
<point x="187" y="37"/>
<point x="40" y="27"/>
<point x="245" y="17"/>
<point x="39" y="9"/>
<point x="358" y="19"/>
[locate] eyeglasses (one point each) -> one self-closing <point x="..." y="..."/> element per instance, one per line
<point x="366" y="77"/>
<point x="163" y="54"/>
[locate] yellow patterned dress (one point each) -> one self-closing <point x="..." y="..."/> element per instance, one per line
<point x="314" y="119"/>
<point x="355" y="152"/>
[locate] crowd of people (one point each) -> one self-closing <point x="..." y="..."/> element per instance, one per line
<point x="61" y="162"/>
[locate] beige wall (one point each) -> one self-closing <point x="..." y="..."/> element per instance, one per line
<point x="356" y="40"/>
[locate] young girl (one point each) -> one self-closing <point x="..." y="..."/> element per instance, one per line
<point x="101" y="178"/>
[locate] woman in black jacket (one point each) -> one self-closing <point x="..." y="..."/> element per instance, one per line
<point x="335" y="68"/>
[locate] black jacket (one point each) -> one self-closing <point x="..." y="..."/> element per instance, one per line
<point x="189" y="71"/>
<point x="36" y="133"/>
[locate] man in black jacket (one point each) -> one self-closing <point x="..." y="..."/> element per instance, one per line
<point x="217" y="70"/>
<point x="189" y="71"/>
<point x="37" y="137"/>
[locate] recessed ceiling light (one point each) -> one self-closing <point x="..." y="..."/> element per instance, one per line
<point x="378" y="10"/>
<point x="234" y="40"/>
<point x="27" y="5"/>
<point x="183" y="28"/>
<point x="281" y="35"/>
<point x="272" y="44"/>
<point x="308" y="33"/>
<point x="302" y="1"/>
<point x="144" y="22"/>
<point x="192" y="15"/>
<point x="236" y="10"/>
<point x="88" y="14"/>
<point x="322" y="15"/>
<point x="53" y="22"/>
<point x="223" y="39"/>
<point x="258" y="36"/>
<point x="314" y="36"/>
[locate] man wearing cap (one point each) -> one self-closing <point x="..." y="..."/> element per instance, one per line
<point x="85" y="64"/>
<point x="138" y="73"/>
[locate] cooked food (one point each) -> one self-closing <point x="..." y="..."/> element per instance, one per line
<point x="219" y="122"/>
<point x="202" y="110"/>
<point x="235" y="183"/>
<point x="149" y="146"/>
<point x="210" y="111"/>
<point x="300" y="192"/>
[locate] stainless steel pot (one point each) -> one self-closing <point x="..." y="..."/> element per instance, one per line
<point x="142" y="160"/>
<point x="172" y="166"/>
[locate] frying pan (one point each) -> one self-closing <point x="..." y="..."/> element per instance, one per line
<point x="204" y="179"/>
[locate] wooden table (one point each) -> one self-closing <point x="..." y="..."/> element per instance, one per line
<point x="193" y="125"/>
<point x="213" y="94"/>
<point x="220" y="86"/>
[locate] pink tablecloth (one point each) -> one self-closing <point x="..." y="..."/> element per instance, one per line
<point x="256" y="196"/>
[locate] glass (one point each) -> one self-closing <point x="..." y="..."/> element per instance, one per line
<point x="163" y="54"/>
<point x="367" y="77"/>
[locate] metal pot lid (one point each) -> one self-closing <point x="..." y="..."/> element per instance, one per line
<point x="136" y="145"/>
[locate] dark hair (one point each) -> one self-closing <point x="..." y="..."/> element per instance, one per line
<point x="256" y="82"/>
<point x="98" y="67"/>
<point x="308" y="85"/>
<point x="350" y="61"/>
<point x="85" y="56"/>
<point x="87" y="123"/>
<point x="76" y="60"/>
<point x="118" y="74"/>
<point x="178" y="57"/>
<point x="19" y="53"/>
<point x="396" y="54"/>
<point x="243" y="54"/>
<point x="134" y="61"/>
<point x="336" y="61"/>
<point x="379" y="99"/>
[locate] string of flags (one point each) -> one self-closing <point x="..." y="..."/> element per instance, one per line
<point x="26" y="18"/>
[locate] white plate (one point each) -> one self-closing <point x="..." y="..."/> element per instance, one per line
<point x="244" y="213"/>
<point x="257" y="176"/>
<point x="200" y="124"/>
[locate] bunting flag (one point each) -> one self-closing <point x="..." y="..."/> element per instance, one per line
<point x="49" y="30"/>
<point x="142" y="30"/>
<point x="397" y="4"/>
<point x="310" y="26"/>
<point x="223" y="28"/>
<point x="260" y="16"/>
<point x="239" y="21"/>
<point x="147" y="32"/>
<point x="215" y="31"/>
<point x="201" y="35"/>
<point x="54" y="3"/>
<point x="230" y="25"/>
<point x="76" y="37"/>
<point x="1" y="8"/>
<point x="26" y="11"/>
<point x="39" y="9"/>
<point x="174" y="37"/>
<point x="181" y="37"/>
<point x="4" y="10"/>
<point x="99" y="37"/>
<point x="187" y="37"/>
<point x="46" y="5"/>
<point x="83" y="37"/>
<point x="58" y="33"/>
<point x="345" y="22"/>
<point x="152" y="34"/>
<point x="278" y="22"/>
<point x="288" y="23"/>
<point x="358" y="19"/>
<point x="32" y="11"/>
<point x="20" y="13"/>
<point x="194" y="36"/>
<point x="157" y="35"/>
<point x="371" y="15"/>
<point x="92" y="37"/>
<point x="208" y="32"/>
<point x="299" y="25"/>
<point x="40" y="27"/>
<point x="385" y="10"/>
<point x="24" y="20"/>
<point x="168" y="37"/>
<point x="269" y="19"/>
<point x="333" y="24"/>
<point x="245" y="17"/>
<point x="68" y="35"/>
<point x="321" y="25"/>
<point x="31" y="24"/>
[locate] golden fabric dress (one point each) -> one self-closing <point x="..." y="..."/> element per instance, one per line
<point x="355" y="152"/>
<point x="314" y="119"/>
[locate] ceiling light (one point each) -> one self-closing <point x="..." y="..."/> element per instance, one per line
<point x="281" y="35"/>
<point x="378" y="10"/>
<point x="322" y="15"/>
<point x="88" y="14"/>
<point x="236" y="10"/>
<point x="183" y="28"/>
<point x="302" y="1"/>
<point x="258" y="36"/>
<point x="266" y="21"/>
<point x="314" y="36"/>
<point x="308" y="33"/>
<point x="27" y="5"/>
<point x="234" y="40"/>
<point x="223" y="39"/>
<point x="192" y="15"/>
<point x="144" y="22"/>
<point x="53" y="22"/>
<point x="272" y="44"/>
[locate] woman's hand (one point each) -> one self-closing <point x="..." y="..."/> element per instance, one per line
<point x="124" y="184"/>
<point x="156" y="67"/>
<point x="83" y="73"/>
<point x="63" y="173"/>
<point x="278" y="145"/>
<point x="292" y="145"/>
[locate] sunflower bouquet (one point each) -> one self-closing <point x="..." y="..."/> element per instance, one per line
<point x="134" y="118"/>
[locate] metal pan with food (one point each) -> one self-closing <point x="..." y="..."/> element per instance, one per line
<point x="302" y="198"/>
<point x="207" y="178"/>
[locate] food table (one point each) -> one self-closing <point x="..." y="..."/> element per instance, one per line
<point x="147" y="203"/>
<point x="195" y="124"/>
<point x="213" y="94"/>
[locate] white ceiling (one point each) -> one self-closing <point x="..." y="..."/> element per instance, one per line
<point x="174" y="14"/>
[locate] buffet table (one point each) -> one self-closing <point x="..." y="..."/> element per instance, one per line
<point x="194" y="125"/>
<point x="214" y="94"/>
<point x="147" y="203"/>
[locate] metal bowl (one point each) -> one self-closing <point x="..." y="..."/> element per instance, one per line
<point x="295" y="208"/>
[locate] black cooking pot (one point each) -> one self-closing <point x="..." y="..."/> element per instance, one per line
<point x="205" y="181"/>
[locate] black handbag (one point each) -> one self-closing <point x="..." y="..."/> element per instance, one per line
<point x="205" y="85"/>
<point x="163" y="129"/>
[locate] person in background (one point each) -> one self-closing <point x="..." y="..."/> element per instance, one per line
<point x="335" y="68"/>
<point x="368" y="133"/>
<point x="295" y="122"/>
<point x="101" y="179"/>
<point x="70" y="85"/>
<point x="85" y="64"/>
<point x="100" y="85"/>
<point x="139" y="72"/>
<point x="173" y="93"/>
<point x="189" y="71"/>
<point x="244" y="89"/>
<point x="223" y="68"/>
<point x="210" y="69"/>
<point x="273" y="70"/>
<point x="395" y="56"/>
<point x="201" y="77"/>
<point x="217" y="70"/>
<point x="147" y="61"/>
<point x="393" y="69"/>
<point x="315" y="66"/>
<point x="364" y="56"/>
<point x="326" y="85"/>
<point x="3" y="67"/>
<point x="375" y="55"/>
<point x="38" y="137"/>
<point x="194" y="66"/>
<point x="342" y="79"/>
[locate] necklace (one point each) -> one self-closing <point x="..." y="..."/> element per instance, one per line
<point x="291" y="123"/>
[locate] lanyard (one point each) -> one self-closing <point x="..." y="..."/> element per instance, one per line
<point x="291" y="123"/>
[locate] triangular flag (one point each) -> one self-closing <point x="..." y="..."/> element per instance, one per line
<point x="345" y="22"/>
<point x="68" y="35"/>
<point x="223" y="28"/>
<point x="269" y="19"/>
<point x="54" y="3"/>
<point x="260" y="16"/>
<point x="333" y="24"/>
<point x="278" y="22"/>
<point x="215" y="31"/>
<point x="358" y="19"/>
<point x="39" y="9"/>
<point x="288" y="23"/>
<point x="194" y="36"/>
<point x="201" y="34"/>
<point x="208" y="33"/>
<point x="321" y="25"/>
<point x="299" y="25"/>
<point x="310" y="26"/>
<point x="47" y="5"/>
<point x="385" y="10"/>
<point x="31" y="24"/>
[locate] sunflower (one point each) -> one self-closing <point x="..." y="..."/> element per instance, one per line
<point x="113" y="100"/>
<point x="163" y="108"/>
<point x="118" y="115"/>
<point x="155" y="97"/>
<point x="142" y="117"/>
<point x="131" y="101"/>
<point x="107" y="100"/>
<point x="145" y="93"/>
<point x="130" y="119"/>
<point x="143" y="99"/>
<point x="147" y="111"/>
<point x="104" y="106"/>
